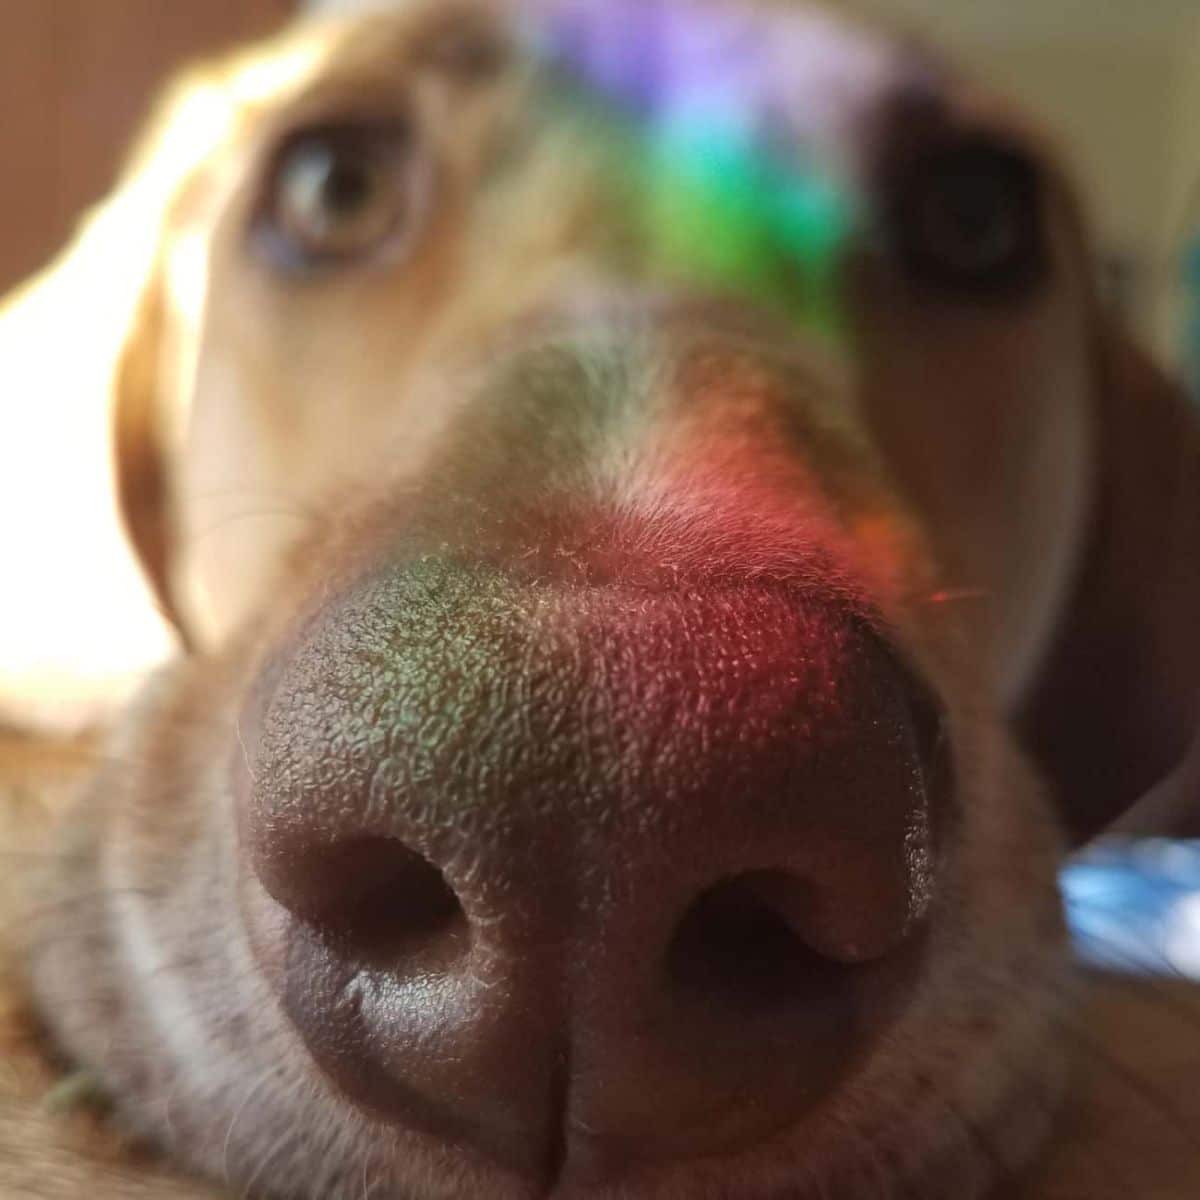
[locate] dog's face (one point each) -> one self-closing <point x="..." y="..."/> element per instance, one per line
<point x="481" y="213"/>
<point x="591" y="778"/>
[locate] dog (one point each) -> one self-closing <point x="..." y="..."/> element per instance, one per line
<point x="620" y="740"/>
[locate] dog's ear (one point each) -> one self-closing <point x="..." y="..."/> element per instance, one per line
<point x="91" y="384"/>
<point x="140" y="435"/>
<point x="1116" y="708"/>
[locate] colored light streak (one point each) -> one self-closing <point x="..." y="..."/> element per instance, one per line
<point x="728" y="200"/>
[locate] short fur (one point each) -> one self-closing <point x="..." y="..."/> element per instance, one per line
<point x="1016" y="491"/>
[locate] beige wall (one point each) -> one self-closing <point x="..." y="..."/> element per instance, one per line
<point x="1184" y="211"/>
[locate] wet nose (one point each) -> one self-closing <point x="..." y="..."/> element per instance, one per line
<point x="577" y="879"/>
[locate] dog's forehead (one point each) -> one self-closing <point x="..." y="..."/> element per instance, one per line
<point x="817" y="76"/>
<point x="797" y="75"/>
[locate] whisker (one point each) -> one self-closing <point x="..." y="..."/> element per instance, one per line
<point x="255" y="1088"/>
<point x="958" y="596"/>
<point x="265" y="1160"/>
<point x="310" y="519"/>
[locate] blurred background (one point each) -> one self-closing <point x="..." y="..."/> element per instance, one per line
<point x="76" y="79"/>
<point x="1117" y="81"/>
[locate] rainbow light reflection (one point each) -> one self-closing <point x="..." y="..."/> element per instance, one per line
<point x="729" y="201"/>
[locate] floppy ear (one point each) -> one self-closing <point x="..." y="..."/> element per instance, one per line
<point x="1116" y="708"/>
<point x="139" y="447"/>
<point x="85" y="518"/>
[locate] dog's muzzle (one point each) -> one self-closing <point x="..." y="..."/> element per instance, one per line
<point x="578" y="865"/>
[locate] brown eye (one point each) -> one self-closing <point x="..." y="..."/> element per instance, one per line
<point x="968" y="218"/>
<point x="342" y="192"/>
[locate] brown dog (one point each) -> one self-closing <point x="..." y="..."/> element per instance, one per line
<point x="594" y="772"/>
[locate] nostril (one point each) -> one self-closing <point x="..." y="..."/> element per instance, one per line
<point x="739" y="941"/>
<point x="375" y="892"/>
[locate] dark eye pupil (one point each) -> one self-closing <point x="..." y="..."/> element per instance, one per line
<point x="974" y="208"/>
<point x="348" y="186"/>
<point x="976" y="219"/>
<point x="969" y="219"/>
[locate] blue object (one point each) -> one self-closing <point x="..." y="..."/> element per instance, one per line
<point x="1134" y="907"/>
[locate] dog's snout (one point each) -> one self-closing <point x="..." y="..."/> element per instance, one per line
<point x="579" y="870"/>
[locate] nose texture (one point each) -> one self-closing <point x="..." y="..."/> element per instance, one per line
<point x="580" y="878"/>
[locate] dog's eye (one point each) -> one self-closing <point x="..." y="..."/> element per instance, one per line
<point x="969" y="219"/>
<point x="341" y="192"/>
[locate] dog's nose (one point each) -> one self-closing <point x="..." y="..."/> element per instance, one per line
<point x="584" y="878"/>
